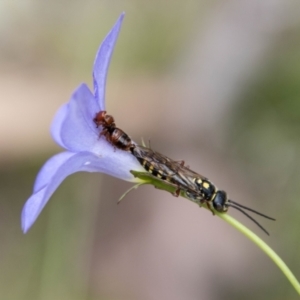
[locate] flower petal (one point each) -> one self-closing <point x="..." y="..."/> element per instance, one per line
<point x="32" y="209"/>
<point x="57" y="123"/>
<point x="102" y="61"/>
<point x="117" y="164"/>
<point x="78" y="132"/>
<point x="49" y="169"/>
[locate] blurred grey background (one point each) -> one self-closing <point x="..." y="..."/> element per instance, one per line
<point x="216" y="83"/>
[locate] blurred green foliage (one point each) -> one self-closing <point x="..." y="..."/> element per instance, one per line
<point x="67" y="33"/>
<point x="268" y="116"/>
<point x="266" y="142"/>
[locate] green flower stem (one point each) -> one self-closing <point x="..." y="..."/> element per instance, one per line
<point x="147" y="178"/>
<point x="264" y="247"/>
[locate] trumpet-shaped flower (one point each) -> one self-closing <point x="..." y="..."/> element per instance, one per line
<point x="74" y="130"/>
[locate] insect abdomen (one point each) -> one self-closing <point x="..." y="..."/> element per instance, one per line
<point x="120" y="139"/>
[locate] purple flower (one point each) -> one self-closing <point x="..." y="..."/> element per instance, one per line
<point x="73" y="129"/>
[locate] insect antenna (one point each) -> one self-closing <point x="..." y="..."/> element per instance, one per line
<point x="251" y="218"/>
<point x="250" y="209"/>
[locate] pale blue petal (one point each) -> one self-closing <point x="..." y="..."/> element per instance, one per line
<point x="32" y="209"/>
<point x="117" y="164"/>
<point x="102" y="61"/>
<point x="78" y="130"/>
<point x="49" y="169"/>
<point x="57" y="123"/>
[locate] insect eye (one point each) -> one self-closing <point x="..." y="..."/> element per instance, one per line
<point x="220" y="202"/>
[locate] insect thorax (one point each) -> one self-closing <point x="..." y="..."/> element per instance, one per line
<point x="207" y="189"/>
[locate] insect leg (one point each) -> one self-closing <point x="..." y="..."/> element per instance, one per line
<point x="177" y="192"/>
<point x="208" y="205"/>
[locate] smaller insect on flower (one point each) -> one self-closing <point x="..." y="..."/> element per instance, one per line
<point x="103" y="119"/>
<point x="116" y="136"/>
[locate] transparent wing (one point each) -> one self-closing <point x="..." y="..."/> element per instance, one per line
<point x="169" y="170"/>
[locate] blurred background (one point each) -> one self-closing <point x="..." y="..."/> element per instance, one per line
<point x="216" y="83"/>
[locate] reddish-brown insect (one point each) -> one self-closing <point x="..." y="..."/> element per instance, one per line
<point x="104" y="120"/>
<point x="114" y="135"/>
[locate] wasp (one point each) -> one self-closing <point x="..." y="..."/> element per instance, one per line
<point x="195" y="186"/>
<point x="116" y="136"/>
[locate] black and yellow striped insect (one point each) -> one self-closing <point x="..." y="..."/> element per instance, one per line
<point x="195" y="186"/>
